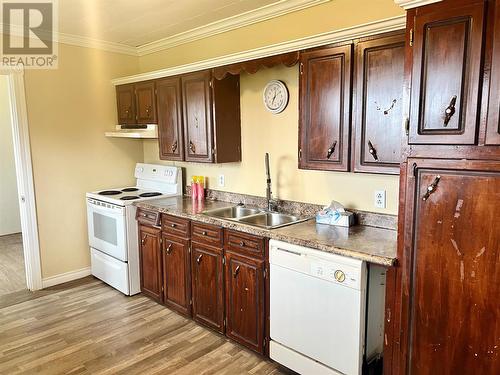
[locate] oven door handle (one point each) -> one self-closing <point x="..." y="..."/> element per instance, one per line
<point x="106" y="211"/>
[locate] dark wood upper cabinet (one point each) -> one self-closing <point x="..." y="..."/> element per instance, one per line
<point x="450" y="288"/>
<point x="150" y="262"/>
<point x="136" y="103"/>
<point x="207" y="285"/>
<point x="378" y="102"/>
<point x="211" y="115"/>
<point x="125" y="99"/>
<point x="169" y="105"/>
<point x="325" y="107"/>
<point x="145" y="102"/>
<point x="245" y="301"/>
<point x="446" y="73"/>
<point x="197" y="111"/>
<point x="176" y="274"/>
<point x="493" y="105"/>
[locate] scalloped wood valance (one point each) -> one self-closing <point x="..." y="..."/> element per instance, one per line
<point x="253" y="66"/>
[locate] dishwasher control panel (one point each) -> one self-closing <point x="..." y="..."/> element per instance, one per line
<point x="322" y="265"/>
<point x="337" y="273"/>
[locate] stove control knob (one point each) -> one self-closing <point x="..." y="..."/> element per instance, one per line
<point x="339" y="276"/>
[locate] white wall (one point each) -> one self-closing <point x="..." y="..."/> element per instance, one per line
<point x="9" y="204"/>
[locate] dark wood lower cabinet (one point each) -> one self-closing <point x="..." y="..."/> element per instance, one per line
<point x="150" y="262"/>
<point x="176" y="274"/>
<point x="207" y="285"/>
<point x="450" y="275"/>
<point x="215" y="276"/>
<point x="245" y="318"/>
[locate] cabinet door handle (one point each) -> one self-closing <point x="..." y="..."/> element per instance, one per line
<point x="431" y="188"/>
<point x="331" y="150"/>
<point x="174" y="147"/>
<point x="192" y="147"/>
<point x="236" y="271"/>
<point x="198" y="260"/>
<point x="204" y="233"/>
<point x="242" y="243"/>
<point x="372" y="150"/>
<point x="143" y="241"/>
<point x="450" y="111"/>
<point x="168" y="250"/>
<point x="172" y="225"/>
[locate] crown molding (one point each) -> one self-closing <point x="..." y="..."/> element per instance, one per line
<point x="264" y="13"/>
<point x="80" y="41"/>
<point x="409" y="4"/>
<point x="372" y="28"/>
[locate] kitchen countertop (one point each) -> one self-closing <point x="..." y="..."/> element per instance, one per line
<point x="371" y="244"/>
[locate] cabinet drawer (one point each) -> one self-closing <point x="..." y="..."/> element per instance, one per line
<point x="207" y="234"/>
<point x="245" y="244"/>
<point x="175" y="225"/>
<point x="148" y="217"/>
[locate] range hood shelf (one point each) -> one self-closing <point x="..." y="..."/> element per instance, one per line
<point x="139" y="132"/>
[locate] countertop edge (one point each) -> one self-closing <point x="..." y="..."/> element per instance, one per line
<point x="271" y="234"/>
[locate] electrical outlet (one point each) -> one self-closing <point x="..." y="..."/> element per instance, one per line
<point x="221" y="180"/>
<point x="379" y="198"/>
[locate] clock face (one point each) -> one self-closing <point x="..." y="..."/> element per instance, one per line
<point x="275" y="96"/>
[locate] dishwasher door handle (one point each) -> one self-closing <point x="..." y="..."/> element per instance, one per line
<point x="289" y="251"/>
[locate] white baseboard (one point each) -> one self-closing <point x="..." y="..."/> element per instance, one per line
<point x="65" y="277"/>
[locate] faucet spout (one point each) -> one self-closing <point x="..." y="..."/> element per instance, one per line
<point x="269" y="194"/>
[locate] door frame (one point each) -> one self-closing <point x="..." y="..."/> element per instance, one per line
<point x="24" y="176"/>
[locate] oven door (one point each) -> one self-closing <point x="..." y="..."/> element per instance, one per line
<point x="107" y="225"/>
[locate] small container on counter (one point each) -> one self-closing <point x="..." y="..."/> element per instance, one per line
<point x="335" y="214"/>
<point x="201" y="188"/>
<point x="194" y="187"/>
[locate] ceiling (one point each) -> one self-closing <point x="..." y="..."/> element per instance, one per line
<point x="135" y="23"/>
<point x="139" y="27"/>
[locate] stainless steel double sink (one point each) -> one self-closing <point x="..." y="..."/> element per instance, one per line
<point x="254" y="216"/>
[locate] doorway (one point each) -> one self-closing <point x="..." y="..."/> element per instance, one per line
<point x="19" y="246"/>
<point x="12" y="270"/>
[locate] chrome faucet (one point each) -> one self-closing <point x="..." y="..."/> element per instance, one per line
<point x="271" y="203"/>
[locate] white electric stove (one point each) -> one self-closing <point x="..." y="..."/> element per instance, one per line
<point x="112" y="227"/>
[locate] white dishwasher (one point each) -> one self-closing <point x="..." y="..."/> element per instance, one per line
<point x="317" y="310"/>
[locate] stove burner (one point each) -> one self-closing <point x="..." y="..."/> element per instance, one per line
<point x="110" y="192"/>
<point x="150" y="194"/>
<point x="129" y="197"/>
<point x="130" y="189"/>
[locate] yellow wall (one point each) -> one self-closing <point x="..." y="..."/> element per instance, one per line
<point x="70" y="108"/>
<point x="278" y="134"/>
<point x="68" y="111"/>
<point x="333" y="15"/>
<point x="9" y="202"/>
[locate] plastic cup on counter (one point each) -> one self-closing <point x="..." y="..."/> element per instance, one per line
<point x="194" y="187"/>
<point x="201" y="188"/>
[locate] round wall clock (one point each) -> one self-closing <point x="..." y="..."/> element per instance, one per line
<point x="275" y="96"/>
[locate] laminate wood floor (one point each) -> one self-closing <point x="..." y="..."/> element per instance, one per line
<point x="87" y="327"/>
<point x="12" y="274"/>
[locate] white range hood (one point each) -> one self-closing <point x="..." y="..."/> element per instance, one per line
<point x="134" y="131"/>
